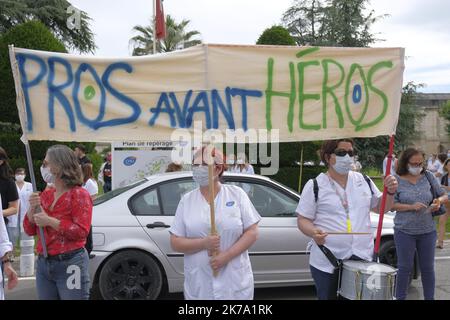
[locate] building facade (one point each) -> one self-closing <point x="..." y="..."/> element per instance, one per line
<point x="434" y="137"/>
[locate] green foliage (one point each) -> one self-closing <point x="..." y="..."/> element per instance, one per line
<point x="276" y="35"/>
<point x="289" y="175"/>
<point x="444" y="112"/>
<point x="54" y="14"/>
<point x="30" y="35"/>
<point x="331" y="23"/>
<point x="97" y="160"/>
<point x="10" y="141"/>
<point x="176" y="37"/>
<point x="373" y="150"/>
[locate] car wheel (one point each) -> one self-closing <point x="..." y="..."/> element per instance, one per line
<point x="388" y="253"/>
<point x="130" y="275"/>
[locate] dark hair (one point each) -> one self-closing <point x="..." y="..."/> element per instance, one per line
<point x="445" y="164"/>
<point x="328" y="148"/>
<point x="402" y="164"/>
<point x="6" y="172"/>
<point x="442" y="157"/>
<point x="173" y="167"/>
<point x="87" y="171"/>
<point x="81" y="147"/>
<point x="21" y="170"/>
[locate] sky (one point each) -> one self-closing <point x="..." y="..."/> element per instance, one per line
<point x="421" y="27"/>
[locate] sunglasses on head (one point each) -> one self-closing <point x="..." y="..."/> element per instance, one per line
<point x="342" y="152"/>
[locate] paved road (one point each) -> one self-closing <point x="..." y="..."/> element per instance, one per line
<point x="26" y="289"/>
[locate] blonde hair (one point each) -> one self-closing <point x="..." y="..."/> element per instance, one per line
<point x="67" y="165"/>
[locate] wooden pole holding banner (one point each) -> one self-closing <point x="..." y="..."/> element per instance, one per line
<point x="22" y="117"/>
<point x="210" y="162"/>
<point x="383" y="201"/>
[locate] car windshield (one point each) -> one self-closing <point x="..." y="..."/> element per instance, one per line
<point x="109" y="195"/>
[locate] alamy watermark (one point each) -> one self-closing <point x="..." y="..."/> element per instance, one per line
<point x="186" y="142"/>
<point x="74" y="18"/>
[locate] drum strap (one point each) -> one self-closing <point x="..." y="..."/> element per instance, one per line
<point x="337" y="263"/>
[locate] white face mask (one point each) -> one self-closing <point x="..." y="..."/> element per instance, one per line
<point x="240" y="161"/>
<point x="230" y="161"/>
<point x="415" y="171"/>
<point x="47" y="175"/>
<point x="20" y="177"/>
<point x="200" y="175"/>
<point x="343" y="164"/>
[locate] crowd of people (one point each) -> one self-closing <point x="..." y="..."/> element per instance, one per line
<point x="217" y="266"/>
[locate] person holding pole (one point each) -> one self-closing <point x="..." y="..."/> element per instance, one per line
<point x="334" y="210"/>
<point x="414" y="226"/>
<point x="216" y="264"/>
<point x="66" y="218"/>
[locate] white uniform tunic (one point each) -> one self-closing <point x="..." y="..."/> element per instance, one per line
<point x="24" y="197"/>
<point x="328" y="214"/>
<point x="5" y="246"/>
<point x="234" y="214"/>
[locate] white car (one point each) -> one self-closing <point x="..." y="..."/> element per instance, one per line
<point x="132" y="257"/>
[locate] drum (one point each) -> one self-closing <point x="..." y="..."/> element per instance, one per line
<point x="363" y="280"/>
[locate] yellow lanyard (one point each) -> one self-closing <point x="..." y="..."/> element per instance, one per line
<point x="344" y="203"/>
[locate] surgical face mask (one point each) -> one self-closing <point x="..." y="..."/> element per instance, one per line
<point x="343" y="164"/>
<point x="415" y="171"/>
<point x="230" y="161"/>
<point x="20" y="177"/>
<point x="47" y="175"/>
<point x="200" y="175"/>
<point x="240" y="161"/>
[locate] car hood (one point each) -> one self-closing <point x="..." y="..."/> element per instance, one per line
<point x="388" y="220"/>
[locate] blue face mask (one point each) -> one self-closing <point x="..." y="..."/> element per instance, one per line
<point x="343" y="164"/>
<point x="200" y="175"/>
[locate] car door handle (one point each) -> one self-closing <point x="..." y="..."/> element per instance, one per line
<point x="157" y="225"/>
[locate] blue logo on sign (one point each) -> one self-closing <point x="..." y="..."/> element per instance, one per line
<point x="129" y="161"/>
<point x="230" y="203"/>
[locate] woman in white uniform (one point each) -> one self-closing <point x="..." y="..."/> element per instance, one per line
<point x="5" y="255"/>
<point x="237" y="227"/>
<point x="343" y="204"/>
<point x="24" y="189"/>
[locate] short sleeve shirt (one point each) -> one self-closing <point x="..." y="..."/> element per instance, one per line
<point x="328" y="214"/>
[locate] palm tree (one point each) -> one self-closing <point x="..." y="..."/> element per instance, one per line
<point x="54" y="15"/>
<point x="176" y="38"/>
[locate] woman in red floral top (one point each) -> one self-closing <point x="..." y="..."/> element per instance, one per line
<point x="66" y="219"/>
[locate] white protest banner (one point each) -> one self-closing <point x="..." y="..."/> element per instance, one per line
<point x="307" y="93"/>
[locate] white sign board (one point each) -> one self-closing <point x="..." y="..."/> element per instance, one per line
<point x="129" y="166"/>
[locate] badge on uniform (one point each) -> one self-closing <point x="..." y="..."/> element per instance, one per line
<point x="230" y="203"/>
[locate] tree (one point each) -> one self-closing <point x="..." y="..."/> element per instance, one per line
<point x="372" y="151"/>
<point x="276" y="35"/>
<point x="444" y="112"/>
<point x="54" y="14"/>
<point x="331" y="23"/>
<point x="304" y="21"/>
<point x="176" y="37"/>
<point x="31" y="35"/>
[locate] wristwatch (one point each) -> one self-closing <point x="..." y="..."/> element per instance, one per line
<point x="7" y="257"/>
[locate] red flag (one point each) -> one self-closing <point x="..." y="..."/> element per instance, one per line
<point x="160" y="23"/>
